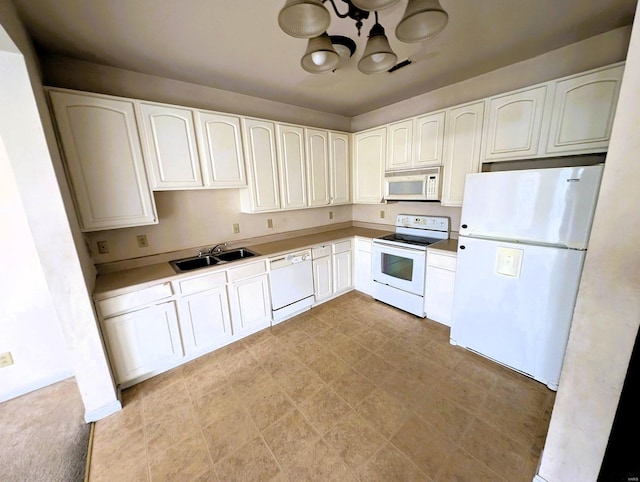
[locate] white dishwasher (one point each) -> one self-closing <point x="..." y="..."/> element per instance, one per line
<point x="291" y="277"/>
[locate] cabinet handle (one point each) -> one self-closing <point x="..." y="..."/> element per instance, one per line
<point x="464" y="226"/>
<point x="462" y="247"/>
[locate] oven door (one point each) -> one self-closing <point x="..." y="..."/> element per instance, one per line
<point x="399" y="267"/>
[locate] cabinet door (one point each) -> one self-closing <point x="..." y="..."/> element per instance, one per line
<point x="318" y="162"/>
<point x="104" y="161"/>
<point x="293" y="168"/>
<point x="399" y="145"/>
<point x="221" y="150"/>
<point x="342" y="272"/>
<point x="170" y="146"/>
<point x="369" y="150"/>
<point x="363" y="277"/>
<point x="250" y="305"/>
<point x="322" y="278"/>
<point x="428" y="139"/>
<point x="514" y="124"/>
<point x="340" y="168"/>
<point x="143" y="341"/>
<point x="583" y="110"/>
<point x="205" y="321"/>
<point x="263" y="193"/>
<point x="439" y="294"/>
<point x="461" y="150"/>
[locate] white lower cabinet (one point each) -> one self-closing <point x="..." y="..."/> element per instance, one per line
<point x="441" y="274"/>
<point x="205" y="318"/>
<point x="143" y="341"/>
<point x="249" y="298"/>
<point x="332" y="270"/>
<point x="363" y="265"/>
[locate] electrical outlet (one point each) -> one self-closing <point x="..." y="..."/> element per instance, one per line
<point x="269" y="223"/>
<point x="236" y="228"/>
<point x="6" y="359"/>
<point x="103" y="247"/>
<point x="142" y="241"/>
<point x="330" y="214"/>
<point x="381" y="214"/>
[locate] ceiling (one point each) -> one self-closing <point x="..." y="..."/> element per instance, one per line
<point x="237" y="45"/>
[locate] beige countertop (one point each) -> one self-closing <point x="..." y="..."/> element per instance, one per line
<point x="449" y="245"/>
<point x="119" y="282"/>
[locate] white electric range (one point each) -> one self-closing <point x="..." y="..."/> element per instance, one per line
<point x="399" y="262"/>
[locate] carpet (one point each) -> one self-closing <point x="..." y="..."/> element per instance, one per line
<point x="45" y="437"/>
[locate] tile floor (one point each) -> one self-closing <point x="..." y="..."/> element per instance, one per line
<point x="351" y="390"/>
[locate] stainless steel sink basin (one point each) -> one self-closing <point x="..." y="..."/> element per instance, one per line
<point x="197" y="262"/>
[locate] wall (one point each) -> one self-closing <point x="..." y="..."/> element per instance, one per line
<point x="597" y="51"/>
<point x="25" y="128"/>
<point x="370" y="213"/>
<point x="80" y="75"/>
<point x="194" y="219"/>
<point x="607" y="313"/>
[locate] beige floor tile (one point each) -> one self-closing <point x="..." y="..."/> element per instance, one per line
<point x="444" y="414"/>
<point x="523" y="392"/>
<point x="203" y="380"/>
<point x="494" y="449"/>
<point x="118" y="455"/>
<point x="354" y="440"/>
<point x="349" y="350"/>
<point x="324" y="409"/>
<point x="267" y="407"/>
<point x="383" y="411"/>
<point x="299" y="382"/>
<point x="421" y="369"/>
<point x="184" y="460"/>
<point x="410" y="394"/>
<point x="423" y="444"/>
<point x="172" y="427"/>
<point x="319" y="463"/>
<point x="389" y="464"/>
<point x="252" y="461"/>
<point x="228" y="434"/>
<point x="462" y="467"/>
<point x="509" y="419"/>
<point x="329" y="367"/>
<point x="394" y="352"/>
<point x="290" y="436"/>
<point x="309" y="351"/>
<point x="352" y="387"/>
<point x="374" y="368"/>
<point x="464" y="392"/>
<point x="216" y="404"/>
<point x="163" y="399"/>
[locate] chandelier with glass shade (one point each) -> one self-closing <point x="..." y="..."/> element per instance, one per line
<point x="309" y="19"/>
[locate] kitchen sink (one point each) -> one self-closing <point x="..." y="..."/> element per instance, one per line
<point x="235" y="254"/>
<point x="197" y="262"/>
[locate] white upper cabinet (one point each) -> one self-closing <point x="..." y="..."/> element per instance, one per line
<point x="583" y="111"/>
<point x="428" y="139"/>
<point x="461" y="150"/>
<point x="369" y="152"/>
<point x="292" y="166"/>
<point x="399" y="145"/>
<point x="339" y="168"/>
<point x="263" y="193"/>
<point x="104" y="160"/>
<point x="317" y="143"/>
<point x="221" y="155"/>
<point x="514" y="124"/>
<point x="169" y="141"/>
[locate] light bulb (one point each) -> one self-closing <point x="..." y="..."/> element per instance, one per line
<point x="377" y="58"/>
<point x="319" y="58"/>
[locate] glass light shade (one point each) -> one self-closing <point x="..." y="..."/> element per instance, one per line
<point x="422" y="20"/>
<point x="371" y="5"/>
<point x="377" y="56"/>
<point x="320" y="55"/>
<point x="304" y="18"/>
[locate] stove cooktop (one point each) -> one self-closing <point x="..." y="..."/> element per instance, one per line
<point x="408" y="239"/>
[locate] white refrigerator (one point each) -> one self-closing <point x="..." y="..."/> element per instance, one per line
<point x="523" y="239"/>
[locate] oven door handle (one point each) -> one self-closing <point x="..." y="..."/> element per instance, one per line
<point x="395" y="246"/>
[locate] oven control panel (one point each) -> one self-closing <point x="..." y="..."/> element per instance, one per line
<point x="434" y="223"/>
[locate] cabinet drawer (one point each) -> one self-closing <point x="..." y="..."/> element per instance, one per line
<point x="441" y="261"/>
<point x="342" y="247"/>
<point x="363" y="245"/>
<point x="201" y="283"/>
<point x="130" y="301"/>
<point x="320" y="251"/>
<point x="247" y="271"/>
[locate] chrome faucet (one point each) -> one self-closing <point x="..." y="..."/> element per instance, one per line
<point x="217" y="249"/>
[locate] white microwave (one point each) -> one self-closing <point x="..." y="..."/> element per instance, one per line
<point x="422" y="185"/>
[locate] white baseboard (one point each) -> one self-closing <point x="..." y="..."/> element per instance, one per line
<point x="102" y="412"/>
<point x="37" y="385"/>
<point x="537" y="478"/>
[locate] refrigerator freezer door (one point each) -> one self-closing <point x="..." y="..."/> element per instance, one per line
<point x="550" y="206"/>
<point x="520" y="321"/>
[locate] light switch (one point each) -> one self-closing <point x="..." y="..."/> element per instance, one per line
<point x="509" y="262"/>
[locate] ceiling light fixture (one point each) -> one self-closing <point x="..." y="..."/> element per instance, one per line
<point x="310" y="19"/>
